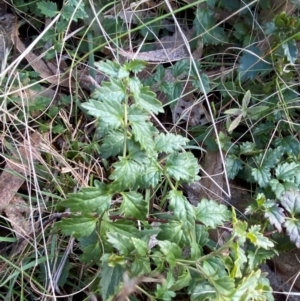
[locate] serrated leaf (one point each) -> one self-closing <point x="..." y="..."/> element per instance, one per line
<point x="277" y="187"/>
<point x="180" y="68"/>
<point x="212" y="214"/>
<point x="203" y="291"/>
<point x="112" y="144"/>
<point x="92" y="251"/>
<point x="142" y="129"/>
<point x="251" y="64"/>
<point x="247" y="286"/>
<point x="162" y="291"/>
<point x="169" y="142"/>
<point x="270" y="158"/>
<point x="124" y="227"/>
<point x="274" y="214"/>
<point x="111" y="277"/>
<point x="151" y="175"/>
<point x="293" y="230"/>
<point x="261" y="175"/>
<point x="135" y="65"/>
<point x="182" y="209"/>
<point x="47" y="8"/>
<point x="110" y="68"/>
<point x="287" y="171"/>
<point x="134" y="205"/>
<point x="204" y="26"/>
<point x="140" y="246"/>
<point x="233" y="166"/>
<point x="125" y="174"/>
<point x="171" y="251"/>
<point x="290" y="50"/>
<point x="113" y="90"/>
<point x="290" y="144"/>
<point x="224" y="287"/>
<point x="203" y="84"/>
<point x="290" y="200"/>
<point x="120" y="242"/>
<point x="173" y="232"/>
<point x="159" y="73"/>
<point x="239" y="261"/>
<point x="182" y="167"/>
<point x="140" y="267"/>
<point x="183" y="280"/>
<point x="258" y="239"/>
<point x="259" y="256"/>
<point x="78" y="225"/>
<point x="248" y="148"/>
<point x="110" y="113"/>
<point x="214" y="267"/>
<point x="146" y="99"/>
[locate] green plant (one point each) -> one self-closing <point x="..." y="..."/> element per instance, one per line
<point x="139" y="224"/>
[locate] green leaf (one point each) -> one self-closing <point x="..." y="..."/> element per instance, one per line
<point x="125" y="174"/>
<point x="183" y="280"/>
<point x="78" y="225"/>
<point x="239" y="261"/>
<point x="121" y="242"/>
<point x="180" y="68"/>
<point x="203" y="291"/>
<point x="142" y="129"/>
<point x="248" y="284"/>
<point x="110" y="68"/>
<point x="162" y="291"/>
<point x="135" y="65"/>
<point x="287" y="171"/>
<point x="169" y="143"/>
<point x="124" y="227"/>
<point x="212" y="214"/>
<point x="277" y="187"/>
<point x="274" y="214"/>
<point x="214" y="267"/>
<point x="112" y="144"/>
<point x="89" y="199"/>
<point x="233" y="166"/>
<point x="293" y="230"/>
<point x="146" y="99"/>
<point x="203" y="84"/>
<point x="171" y="251"/>
<point x="224" y="288"/>
<point x="111" y="277"/>
<point x="235" y="123"/>
<point x="258" y="239"/>
<point x="151" y="175"/>
<point x="248" y="148"/>
<point x="111" y="113"/>
<point x="182" y="167"/>
<point x="140" y="246"/>
<point x="259" y="256"/>
<point x="92" y="250"/>
<point x="261" y="175"/>
<point x="204" y="23"/>
<point x="290" y="144"/>
<point x="182" y="209"/>
<point x="113" y="90"/>
<point x="290" y="200"/>
<point x="47" y="8"/>
<point x="173" y="231"/>
<point x="140" y="267"/>
<point x="134" y="205"/>
<point x="290" y="50"/>
<point x="251" y="64"/>
<point x="246" y="100"/>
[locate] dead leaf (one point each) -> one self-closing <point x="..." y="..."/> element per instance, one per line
<point x="11" y="179"/>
